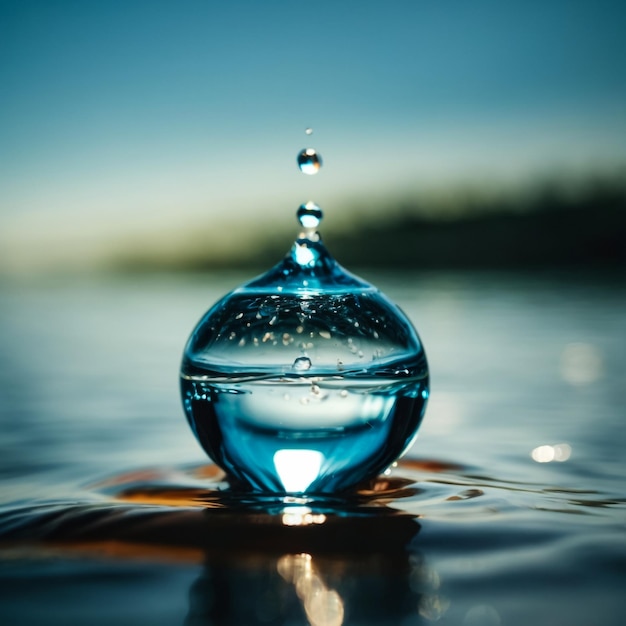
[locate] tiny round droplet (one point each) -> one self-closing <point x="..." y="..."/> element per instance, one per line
<point x="308" y="131"/>
<point x="309" y="215"/>
<point x="309" y="161"/>
<point x="302" y="363"/>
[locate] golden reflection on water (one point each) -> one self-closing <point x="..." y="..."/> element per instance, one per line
<point x="323" y="606"/>
<point x="302" y="516"/>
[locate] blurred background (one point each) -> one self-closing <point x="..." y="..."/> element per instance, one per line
<point x="148" y="165"/>
<point x="151" y="135"/>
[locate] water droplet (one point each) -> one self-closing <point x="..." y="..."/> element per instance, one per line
<point x="302" y="363"/>
<point x="308" y="131"/>
<point x="264" y="335"/>
<point x="309" y="215"/>
<point x="309" y="161"/>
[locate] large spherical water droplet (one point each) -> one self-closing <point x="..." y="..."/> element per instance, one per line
<point x="309" y="161"/>
<point x="281" y="376"/>
<point x="309" y="215"/>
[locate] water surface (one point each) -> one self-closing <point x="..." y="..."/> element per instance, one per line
<point x="508" y="510"/>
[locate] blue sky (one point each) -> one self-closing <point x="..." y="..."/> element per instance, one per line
<point x="137" y="115"/>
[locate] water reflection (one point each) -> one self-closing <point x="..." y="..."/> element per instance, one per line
<point x="323" y="606"/>
<point x="349" y="570"/>
<point x="264" y="560"/>
<point x="302" y="516"/>
<point x="375" y="556"/>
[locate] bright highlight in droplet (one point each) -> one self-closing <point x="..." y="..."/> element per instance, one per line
<point x="304" y="255"/>
<point x="309" y="161"/>
<point x="559" y="452"/>
<point x="309" y="215"/>
<point x="297" y="469"/>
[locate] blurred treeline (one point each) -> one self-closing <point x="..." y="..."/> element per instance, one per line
<point x="549" y="225"/>
<point x="548" y="228"/>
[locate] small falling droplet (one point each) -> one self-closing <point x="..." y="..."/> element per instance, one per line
<point x="308" y="131"/>
<point x="309" y="161"/>
<point x="302" y="363"/>
<point x="309" y="215"/>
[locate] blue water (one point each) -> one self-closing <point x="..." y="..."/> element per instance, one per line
<point x="306" y="379"/>
<point x="305" y="434"/>
<point x="509" y="509"/>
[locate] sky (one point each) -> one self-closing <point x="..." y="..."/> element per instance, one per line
<point x="124" y="120"/>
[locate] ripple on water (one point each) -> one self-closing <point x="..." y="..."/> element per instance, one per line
<point x="424" y="541"/>
<point x="426" y="490"/>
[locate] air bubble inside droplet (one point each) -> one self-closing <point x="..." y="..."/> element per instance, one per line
<point x="302" y="363"/>
<point x="309" y="215"/>
<point x="309" y="161"/>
